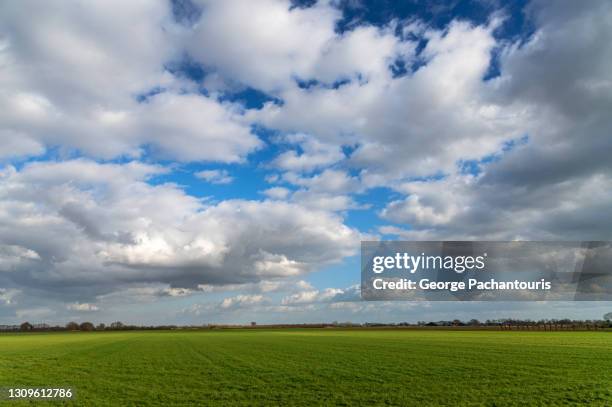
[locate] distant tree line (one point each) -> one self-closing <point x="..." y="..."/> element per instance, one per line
<point x="83" y="326"/>
<point x="501" y="324"/>
<point x="526" y="324"/>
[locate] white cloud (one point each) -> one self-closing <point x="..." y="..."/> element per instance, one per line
<point x="325" y="201"/>
<point x="82" y="307"/>
<point x="419" y="124"/>
<point x="429" y="203"/>
<point x="270" y="44"/>
<point x="71" y="76"/>
<point x="329" y="190"/>
<point x="277" y="193"/>
<point x="274" y="265"/>
<point x="193" y="128"/>
<point x="13" y="256"/>
<point x="242" y="301"/>
<point x="311" y="296"/>
<point x="7" y="296"/>
<point x="262" y="44"/>
<point x="313" y="155"/>
<point x="329" y="180"/>
<point x="101" y="226"/>
<point x="215" y="176"/>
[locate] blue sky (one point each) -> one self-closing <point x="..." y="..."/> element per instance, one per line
<point x="195" y="161"/>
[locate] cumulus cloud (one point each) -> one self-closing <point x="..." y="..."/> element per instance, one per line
<point x="302" y="298"/>
<point x="215" y="176"/>
<point x="323" y="296"/>
<point x="330" y="189"/>
<point x="330" y="180"/>
<point x="7" y="296"/>
<point x="99" y="226"/>
<point x="262" y="45"/>
<point x="418" y="124"/>
<point x="556" y="185"/>
<point x="82" y="307"/>
<point x="313" y="154"/>
<point x="242" y="301"/>
<point x="271" y="44"/>
<point x="429" y="203"/>
<point x="88" y="78"/>
<point x="277" y="193"/>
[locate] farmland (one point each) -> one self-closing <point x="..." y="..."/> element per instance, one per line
<point x="314" y="367"/>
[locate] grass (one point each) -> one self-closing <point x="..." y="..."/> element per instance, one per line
<point x="315" y="367"/>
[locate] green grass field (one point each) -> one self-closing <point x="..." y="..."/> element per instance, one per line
<point x="315" y="367"/>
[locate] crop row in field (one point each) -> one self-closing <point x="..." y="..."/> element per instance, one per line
<point x="310" y="367"/>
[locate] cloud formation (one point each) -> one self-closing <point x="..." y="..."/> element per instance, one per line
<point x="556" y="185"/>
<point x="85" y="77"/>
<point x="215" y="176"/>
<point x="91" y="228"/>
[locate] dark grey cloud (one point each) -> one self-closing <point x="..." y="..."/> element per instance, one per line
<point x="557" y="185"/>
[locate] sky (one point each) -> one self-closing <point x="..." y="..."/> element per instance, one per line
<point x="196" y="161"/>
